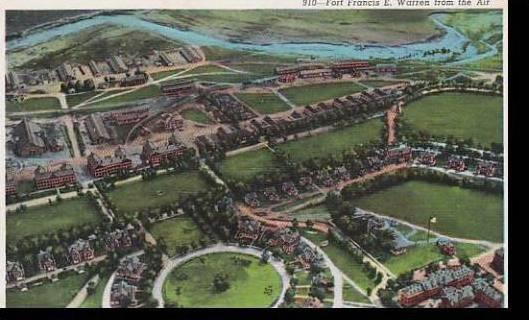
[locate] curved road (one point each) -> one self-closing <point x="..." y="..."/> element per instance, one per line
<point x="218" y="248"/>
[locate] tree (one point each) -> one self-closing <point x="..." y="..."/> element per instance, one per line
<point x="220" y="282"/>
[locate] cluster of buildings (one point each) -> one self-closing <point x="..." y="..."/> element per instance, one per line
<point x="128" y="275"/>
<point x="110" y="68"/>
<point x="456" y="163"/>
<point x="334" y="70"/>
<point x="98" y="125"/>
<point x="456" y="287"/>
<point x="275" y="126"/>
<point x="270" y="193"/>
<point x="30" y="139"/>
<point x="226" y="108"/>
<point x="287" y="240"/>
<point x="81" y="251"/>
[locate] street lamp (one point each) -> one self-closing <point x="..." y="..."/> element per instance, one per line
<point x="431" y="220"/>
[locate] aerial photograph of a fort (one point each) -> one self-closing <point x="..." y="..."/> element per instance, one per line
<point x="254" y="158"/>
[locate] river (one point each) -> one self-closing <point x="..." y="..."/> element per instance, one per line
<point x="451" y="39"/>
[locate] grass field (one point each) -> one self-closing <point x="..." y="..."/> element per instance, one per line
<point x="264" y="103"/>
<point x="195" y="115"/>
<point x="180" y="231"/>
<point x="46" y="218"/>
<point x="422" y="255"/>
<point x="75" y="99"/>
<point x="162" y="190"/>
<point x="351" y="294"/>
<point x="247" y="165"/>
<point x="317" y="212"/>
<point x="460" y="212"/>
<point x="265" y="26"/>
<point x="247" y="283"/>
<point x="142" y="93"/>
<point x="95" y="300"/>
<point x="333" y="142"/>
<point x="313" y="93"/>
<point x="163" y="74"/>
<point x="33" y="104"/>
<point x="49" y="295"/>
<point x="344" y="261"/>
<point x="462" y="115"/>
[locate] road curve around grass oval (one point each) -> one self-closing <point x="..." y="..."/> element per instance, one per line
<point x="218" y="248"/>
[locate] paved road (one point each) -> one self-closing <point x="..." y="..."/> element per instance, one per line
<point x="41" y="201"/>
<point x="336" y="274"/>
<point x="81" y="296"/>
<point x="171" y="264"/>
<point x="108" y="288"/>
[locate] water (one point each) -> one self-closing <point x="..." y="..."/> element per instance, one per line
<point x="452" y="40"/>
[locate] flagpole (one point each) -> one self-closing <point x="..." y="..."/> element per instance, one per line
<point x="428" y="234"/>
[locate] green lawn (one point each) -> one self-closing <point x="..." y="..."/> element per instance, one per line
<point x="96" y="299"/>
<point x="264" y="103"/>
<point x="460" y="212"/>
<point x="319" y="212"/>
<point x="247" y="284"/>
<point x="344" y="261"/>
<point x="162" y="190"/>
<point x="33" y="104"/>
<point x="463" y="115"/>
<point x="46" y="218"/>
<point x="49" y="295"/>
<point x="75" y="99"/>
<point x="180" y="231"/>
<point x="351" y="294"/>
<point x="206" y="69"/>
<point x="247" y="165"/>
<point x="313" y="93"/>
<point x="150" y="91"/>
<point x="163" y="74"/>
<point x="333" y="142"/>
<point x="195" y="115"/>
<point x="423" y="254"/>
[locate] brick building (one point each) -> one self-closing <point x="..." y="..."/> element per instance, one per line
<point x="80" y="251"/>
<point x="14" y="272"/>
<point x="179" y="88"/>
<point x="109" y="165"/>
<point x="156" y="155"/>
<point x="131" y="269"/>
<point x="46" y="261"/>
<point x="47" y="179"/>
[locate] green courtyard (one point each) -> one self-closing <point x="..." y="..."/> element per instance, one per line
<point x="191" y="285"/>
<point x="162" y="190"/>
<point x="264" y="103"/>
<point x="333" y="142"/>
<point x="176" y="232"/>
<point x="33" y="104"/>
<point x="49" y="218"/>
<point x="313" y="93"/>
<point x="247" y="165"/>
<point x="460" y="212"/>
<point x="48" y="295"/>
<point x="462" y="115"/>
<point x="196" y="116"/>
